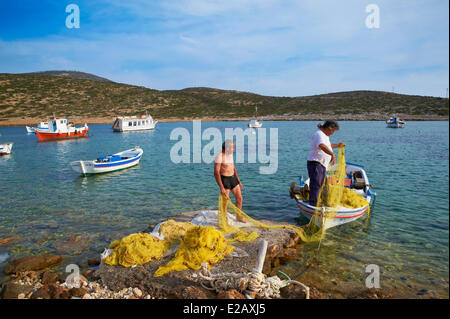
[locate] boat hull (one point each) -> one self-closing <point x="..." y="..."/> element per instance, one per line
<point x="5" y="148"/>
<point x="94" y="167"/>
<point x="58" y="136"/>
<point x="339" y="218"/>
<point x="343" y="215"/>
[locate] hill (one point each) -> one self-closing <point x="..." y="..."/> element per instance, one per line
<point x="34" y="96"/>
<point x="72" y="74"/>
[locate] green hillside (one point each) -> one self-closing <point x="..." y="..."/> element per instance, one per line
<point x="38" y="95"/>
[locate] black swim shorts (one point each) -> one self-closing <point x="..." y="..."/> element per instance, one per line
<point x="229" y="182"/>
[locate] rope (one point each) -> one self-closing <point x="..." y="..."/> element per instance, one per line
<point x="250" y="284"/>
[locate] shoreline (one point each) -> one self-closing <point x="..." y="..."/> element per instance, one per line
<point x="32" y="121"/>
<point x="40" y="277"/>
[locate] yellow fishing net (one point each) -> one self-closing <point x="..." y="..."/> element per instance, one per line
<point x="136" y="249"/>
<point x="174" y="231"/>
<point x="200" y="244"/>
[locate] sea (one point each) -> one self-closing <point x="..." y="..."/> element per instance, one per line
<point x="401" y="249"/>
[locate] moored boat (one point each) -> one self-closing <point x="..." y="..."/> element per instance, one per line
<point x="395" y="122"/>
<point x="41" y="125"/>
<point x="109" y="163"/>
<point x="356" y="181"/>
<point x="61" y="129"/>
<point x="5" y="148"/>
<point x="134" y="123"/>
<point x="255" y="123"/>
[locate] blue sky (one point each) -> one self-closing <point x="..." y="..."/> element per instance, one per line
<point x="269" y="47"/>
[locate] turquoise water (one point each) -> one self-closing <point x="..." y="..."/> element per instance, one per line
<point x="53" y="209"/>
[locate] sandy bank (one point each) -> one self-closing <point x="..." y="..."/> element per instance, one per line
<point x="31" y="121"/>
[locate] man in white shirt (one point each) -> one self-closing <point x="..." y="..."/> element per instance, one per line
<point x="319" y="157"/>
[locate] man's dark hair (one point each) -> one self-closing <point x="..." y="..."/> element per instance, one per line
<point x="329" y="124"/>
<point x="226" y="144"/>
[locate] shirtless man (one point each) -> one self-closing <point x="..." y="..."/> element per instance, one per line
<point x="226" y="175"/>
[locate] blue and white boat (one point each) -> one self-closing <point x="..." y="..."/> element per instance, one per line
<point x="357" y="181"/>
<point x="109" y="163"/>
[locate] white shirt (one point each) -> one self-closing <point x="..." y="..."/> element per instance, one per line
<point x="316" y="154"/>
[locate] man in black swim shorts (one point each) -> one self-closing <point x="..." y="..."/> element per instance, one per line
<point x="226" y="174"/>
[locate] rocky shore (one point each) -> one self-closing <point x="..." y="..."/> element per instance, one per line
<point x="37" y="277"/>
<point x="31" y="121"/>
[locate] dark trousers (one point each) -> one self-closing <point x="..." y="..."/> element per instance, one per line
<point x="316" y="172"/>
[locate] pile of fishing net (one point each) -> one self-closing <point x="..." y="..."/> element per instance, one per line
<point x="200" y="244"/>
<point x="140" y="248"/>
<point x="197" y="245"/>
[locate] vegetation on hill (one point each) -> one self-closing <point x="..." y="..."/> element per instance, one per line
<point x="39" y="95"/>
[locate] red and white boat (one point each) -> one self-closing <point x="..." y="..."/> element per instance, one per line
<point x="61" y="129"/>
<point x="5" y="148"/>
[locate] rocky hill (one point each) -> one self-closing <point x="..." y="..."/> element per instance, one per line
<point x="35" y="96"/>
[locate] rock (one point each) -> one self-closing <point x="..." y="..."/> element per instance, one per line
<point x="288" y="254"/>
<point x="137" y="292"/>
<point x="55" y="291"/>
<point x="273" y="250"/>
<point x="5" y="241"/>
<point x="32" y="263"/>
<point x="78" y="292"/>
<point x="81" y="281"/>
<point x="11" y="290"/>
<point x="293" y="291"/>
<point x="49" y="277"/>
<point x="267" y="267"/>
<point x="93" y="262"/>
<point x="230" y="294"/>
<point x="41" y="293"/>
<point x="191" y="292"/>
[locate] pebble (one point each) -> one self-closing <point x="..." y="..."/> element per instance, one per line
<point x="137" y="292"/>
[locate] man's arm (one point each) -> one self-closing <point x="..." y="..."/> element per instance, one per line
<point x="325" y="148"/>
<point x="337" y="145"/>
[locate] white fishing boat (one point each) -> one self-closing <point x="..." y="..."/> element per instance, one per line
<point x="134" y="123"/>
<point x="5" y="148"/>
<point x="395" y="122"/>
<point x="60" y="128"/>
<point x="356" y="181"/>
<point x="109" y="163"/>
<point x="255" y="123"/>
<point x="41" y="125"/>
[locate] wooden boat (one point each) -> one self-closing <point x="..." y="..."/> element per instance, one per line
<point x="357" y="181"/>
<point x="395" y="122"/>
<point x="134" y="123"/>
<point x="255" y="123"/>
<point x="109" y="163"/>
<point x="61" y="129"/>
<point x="5" y="148"/>
<point x="41" y="125"/>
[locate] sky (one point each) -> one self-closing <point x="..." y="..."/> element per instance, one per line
<point x="268" y="47"/>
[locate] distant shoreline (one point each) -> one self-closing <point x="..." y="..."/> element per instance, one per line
<point x="309" y="117"/>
